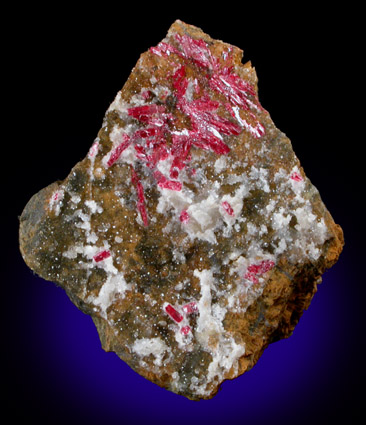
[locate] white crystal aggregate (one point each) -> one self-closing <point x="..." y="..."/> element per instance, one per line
<point x="56" y="201"/>
<point x="213" y="337"/>
<point x="144" y="347"/>
<point x="115" y="284"/>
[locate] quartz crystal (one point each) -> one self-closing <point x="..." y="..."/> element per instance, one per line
<point x="189" y="232"/>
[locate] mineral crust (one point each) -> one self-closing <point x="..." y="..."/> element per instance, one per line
<point x="189" y="233"/>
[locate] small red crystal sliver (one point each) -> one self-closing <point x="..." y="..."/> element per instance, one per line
<point x="252" y="277"/>
<point x="190" y="308"/>
<point x="256" y="270"/>
<point x="146" y="94"/>
<point x="164" y="49"/>
<point x="55" y="196"/>
<point x="173" y="313"/>
<point x="101" y="256"/>
<point x="266" y="265"/>
<point x="94" y="149"/>
<point x="196" y="50"/>
<point x="184" y="216"/>
<point x="228" y="208"/>
<point x="116" y="153"/>
<point x="140" y="196"/>
<point x="145" y="113"/>
<point x="185" y="330"/>
<point x="296" y="177"/>
<point x="164" y="183"/>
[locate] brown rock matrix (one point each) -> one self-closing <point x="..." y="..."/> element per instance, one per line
<point x="189" y="233"/>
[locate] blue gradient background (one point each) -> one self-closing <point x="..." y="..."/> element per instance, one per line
<point x="55" y="370"/>
<point x="60" y="370"/>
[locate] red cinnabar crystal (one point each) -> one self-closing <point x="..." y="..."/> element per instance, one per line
<point x="140" y="196"/>
<point x="184" y="216"/>
<point x="221" y="78"/>
<point x="228" y="208"/>
<point x="101" y="256"/>
<point x="55" y="196"/>
<point x="185" y="330"/>
<point x="164" y="183"/>
<point x="296" y="177"/>
<point x="205" y="122"/>
<point x="116" y="153"/>
<point x="173" y="313"/>
<point x="190" y="308"/>
<point x="256" y="270"/>
<point x="93" y="150"/>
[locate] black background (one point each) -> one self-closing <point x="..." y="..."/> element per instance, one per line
<point x="62" y="69"/>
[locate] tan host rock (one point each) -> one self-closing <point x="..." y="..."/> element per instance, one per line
<point x="189" y="232"/>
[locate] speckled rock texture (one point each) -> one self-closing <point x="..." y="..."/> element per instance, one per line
<point x="189" y="233"/>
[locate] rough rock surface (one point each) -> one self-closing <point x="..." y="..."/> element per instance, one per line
<point x="189" y="232"/>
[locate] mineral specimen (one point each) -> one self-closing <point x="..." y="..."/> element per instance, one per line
<point x="189" y="232"/>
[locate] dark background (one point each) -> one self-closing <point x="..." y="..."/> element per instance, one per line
<point x="62" y="70"/>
